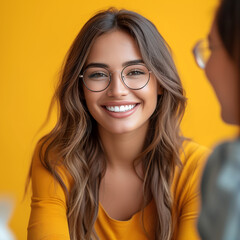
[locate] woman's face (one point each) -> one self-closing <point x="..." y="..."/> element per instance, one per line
<point x="119" y="109"/>
<point x="223" y="75"/>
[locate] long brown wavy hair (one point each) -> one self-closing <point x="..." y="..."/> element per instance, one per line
<point x="75" y="137"/>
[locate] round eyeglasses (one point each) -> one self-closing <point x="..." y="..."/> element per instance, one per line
<point x="97" y="79"/>
<point x="202" y="52"/>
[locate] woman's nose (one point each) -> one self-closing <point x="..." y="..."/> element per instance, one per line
<point x="117" y="87"/>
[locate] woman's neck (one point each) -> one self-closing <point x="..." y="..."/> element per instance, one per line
<point x="122" y="149"/>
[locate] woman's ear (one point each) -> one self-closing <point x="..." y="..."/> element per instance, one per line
<point x="159" y="89"/>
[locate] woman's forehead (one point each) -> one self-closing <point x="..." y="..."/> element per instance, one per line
<point x="114" y="47"/>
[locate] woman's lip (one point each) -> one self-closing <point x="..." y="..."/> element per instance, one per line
<point x="108" y="104"/>
<point x="122" y="114"/>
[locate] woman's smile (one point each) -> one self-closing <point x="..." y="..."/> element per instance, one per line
<point x="121" y="110"/>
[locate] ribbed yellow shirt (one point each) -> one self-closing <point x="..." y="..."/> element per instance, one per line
<point x="48" y="220"/>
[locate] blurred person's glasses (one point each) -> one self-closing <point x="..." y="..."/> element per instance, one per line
<point x="202" y="52"/>
<point x="97" y="79"/>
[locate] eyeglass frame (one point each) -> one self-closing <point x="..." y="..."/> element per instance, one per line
<point x="122" y="78"/>
<point x="210" y="49"/>
<point x="195" y="52"/>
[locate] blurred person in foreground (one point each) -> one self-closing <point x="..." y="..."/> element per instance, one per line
<point x="219" y="56"/>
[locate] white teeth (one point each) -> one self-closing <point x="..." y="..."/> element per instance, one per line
<point x="122" y="108"/>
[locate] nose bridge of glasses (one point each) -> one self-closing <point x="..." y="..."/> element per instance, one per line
<point x="117" y="78"/>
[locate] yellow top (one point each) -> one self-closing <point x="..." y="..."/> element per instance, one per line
<point x="48" y="220"/>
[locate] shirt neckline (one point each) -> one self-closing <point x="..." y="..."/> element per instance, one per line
<point x="147" y="209"/>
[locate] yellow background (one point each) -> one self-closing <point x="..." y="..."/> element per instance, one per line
<point x="35" y="35"/>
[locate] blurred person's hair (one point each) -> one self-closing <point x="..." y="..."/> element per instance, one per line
<point x="228" y="25"/>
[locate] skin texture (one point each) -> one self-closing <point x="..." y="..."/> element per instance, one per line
<point x="122" y="134"/>
<point x="223" y="76"/>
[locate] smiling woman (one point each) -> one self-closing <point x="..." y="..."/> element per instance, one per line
<point x="115" y="166"/>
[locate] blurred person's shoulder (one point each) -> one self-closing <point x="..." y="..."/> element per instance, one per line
<point x="224" y="160"/>
<point x="225" y="153"/>
<point x="220" y="193"/>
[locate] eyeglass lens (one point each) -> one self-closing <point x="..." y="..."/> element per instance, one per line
<point x="202" y="53"/>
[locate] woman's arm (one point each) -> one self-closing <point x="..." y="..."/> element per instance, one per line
<point x="48" y="219"/>
<point x="188" y="192"/>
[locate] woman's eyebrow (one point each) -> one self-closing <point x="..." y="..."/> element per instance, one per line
<point x="132" y="62"/>
<point x="103" y="65"/>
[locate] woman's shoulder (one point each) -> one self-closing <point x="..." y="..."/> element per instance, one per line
<point x="41" y="173"/>
<point x="49" y="200"/>
<point x="193" y="158"/>
<point x="186" y="183"/>
<point x="193" y="153"/>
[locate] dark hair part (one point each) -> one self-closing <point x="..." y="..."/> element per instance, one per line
<point x="76" y="140"/>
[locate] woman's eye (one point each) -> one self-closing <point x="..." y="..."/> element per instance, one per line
<point x="98" y="75"/>
<point x="135" y="73"/>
